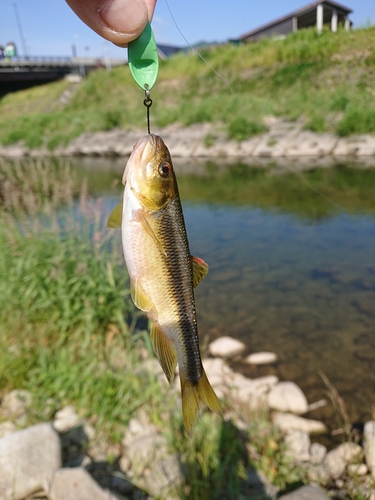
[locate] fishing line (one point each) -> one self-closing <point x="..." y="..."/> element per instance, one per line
<point x="196" y="52"/>
<point x="336" y="205"/>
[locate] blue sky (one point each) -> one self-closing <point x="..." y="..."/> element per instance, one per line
<point x="51" y="28"/>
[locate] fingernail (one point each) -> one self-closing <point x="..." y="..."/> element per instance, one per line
<point x="124" y="16"/>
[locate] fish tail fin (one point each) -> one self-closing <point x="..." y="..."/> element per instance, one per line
<point x="192" y="394"/>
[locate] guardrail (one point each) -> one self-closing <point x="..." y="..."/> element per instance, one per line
<point x="58" y="61"/>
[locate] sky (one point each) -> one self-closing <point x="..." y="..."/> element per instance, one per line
<point x="50" y="27"/>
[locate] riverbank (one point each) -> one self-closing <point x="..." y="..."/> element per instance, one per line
<point x="264" y="424"/>
<point x="284" y="142"/>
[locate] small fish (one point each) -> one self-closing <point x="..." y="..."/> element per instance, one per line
<point x="162" y="272"/>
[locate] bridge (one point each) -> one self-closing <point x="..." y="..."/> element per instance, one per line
<point x="21" y="73"/>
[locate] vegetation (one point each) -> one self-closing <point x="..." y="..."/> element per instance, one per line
<point x="327" y="81"/>
<point x="70" y="335"/>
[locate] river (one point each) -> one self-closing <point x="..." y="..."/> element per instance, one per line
<point x="292" y="268"/>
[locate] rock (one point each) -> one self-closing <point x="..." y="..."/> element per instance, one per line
<point x="317" y="453"/>
<point x="145" y="450"/>
<point x="15" y="403"/>
<point x="76" y="484"/>
<point x="218" y="372"/>
<point x="336" y="460"/>
<point x="287" y="396"/>
<point x="298" y="446"/>
<point x="357" y="469"/>
<point x="306" y="493"/>
<point x="317" y="474"/>
<point x="309" y="143"/>
<point x="164" y="478"/>
<point x="251" y="391"/>
<point x="66" y="419"/>
<point x="288" y="422"/>
<point x="28" y="459"/>
<point x="7" y="428"/>
<point x="226" y="347"/>
<point x="369" y="445"/>
<point x="261" y="358"/>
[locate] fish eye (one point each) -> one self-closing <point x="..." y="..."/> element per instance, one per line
<point x="164" y="169"/>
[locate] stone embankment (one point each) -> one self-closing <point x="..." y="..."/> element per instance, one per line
<point x="282" y="140"/>
<point x="66" y="459"/>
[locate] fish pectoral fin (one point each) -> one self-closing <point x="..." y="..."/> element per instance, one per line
<point x="192" y="394"/>
<point x="115" y="219"/>
<point x="146" y="226"/>
<point x="139" y="297"/>
<point x="200" y="269"/>
<point x="165" y="351"/>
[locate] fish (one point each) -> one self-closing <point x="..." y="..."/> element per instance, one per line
<point x="162" y="271"/>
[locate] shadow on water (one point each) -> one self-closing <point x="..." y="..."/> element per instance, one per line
<point x="292" y="267"/>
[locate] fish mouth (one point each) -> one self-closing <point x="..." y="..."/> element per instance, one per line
<point x="143" y="152"/>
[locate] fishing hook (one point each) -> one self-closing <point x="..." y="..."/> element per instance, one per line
<point x="148" y="103"/>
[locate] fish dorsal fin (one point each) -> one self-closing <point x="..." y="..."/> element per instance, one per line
<point x="115" y="219"/>
<point x="200" y="269"/>
<point x="165" y="351"/>
<point x="140" y="299"/>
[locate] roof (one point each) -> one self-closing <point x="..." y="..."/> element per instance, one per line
<point x="298" y="12"/>
<point x="166" y="51"/>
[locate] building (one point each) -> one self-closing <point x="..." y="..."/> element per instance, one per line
<point x="317" y="14"/>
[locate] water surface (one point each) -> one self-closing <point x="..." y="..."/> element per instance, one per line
<point x="292" y="270"/>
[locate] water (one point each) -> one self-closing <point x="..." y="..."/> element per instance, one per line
<point x="292" y="270"/>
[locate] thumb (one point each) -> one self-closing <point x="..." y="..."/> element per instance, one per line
<point x="119" y="21"/>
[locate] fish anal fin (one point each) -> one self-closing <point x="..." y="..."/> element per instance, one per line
<point x="146" y="226"/>
<point x="192" y="394"/>
<point x="115" y="219"/>
<point x="200" y="269"/>
<point x="140" y="299"/>
<point x="165" y="351"/>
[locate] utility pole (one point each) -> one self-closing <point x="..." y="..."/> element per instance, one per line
<point x="20" y="31"/>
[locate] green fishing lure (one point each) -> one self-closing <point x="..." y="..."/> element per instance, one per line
<point x="143" y="59"/>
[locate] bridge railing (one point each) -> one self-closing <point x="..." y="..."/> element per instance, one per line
<point x="36" y="61"/>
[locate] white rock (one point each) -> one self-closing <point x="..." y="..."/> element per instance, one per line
<point x="318" y="453"/>
<point x="261" y="358"/>
<point x="287" y="396"/>
<point x="369" y="445"/>
<point x="76" y="484"/>
<point x="298" y="446"/>
<point x="288" y="422"/>
<point x="264" y="384"/>
<point x="66" y="419"/>
<point x="357" y="469"/>
<point x="142" y="452"/>
<point x="28" y="459"/>
<point x="15" y="403"/>
<point x="226" y="347"/>
<point x="7" y="428"/>
<point x="164" y="478"/>
<point x="306" y="493"/>
<point x="336" y="460"/>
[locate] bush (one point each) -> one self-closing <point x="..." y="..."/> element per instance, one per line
<point x="241" y="129"/>
<point x="357" y="121"/>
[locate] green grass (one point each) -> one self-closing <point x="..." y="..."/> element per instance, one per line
<point x="327" y="80"/>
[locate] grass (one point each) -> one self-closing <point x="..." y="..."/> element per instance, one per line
<point x="327" y="80"/>
<point x="65" y="300"/>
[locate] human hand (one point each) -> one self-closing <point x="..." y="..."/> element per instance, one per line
<point x="119" y="21"/>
